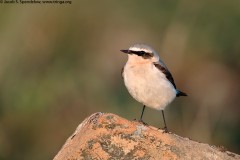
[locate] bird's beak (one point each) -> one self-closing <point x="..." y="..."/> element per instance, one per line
<point x="125" y="51"/>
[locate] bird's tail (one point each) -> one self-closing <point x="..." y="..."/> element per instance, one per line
<point x="180" y="93"/>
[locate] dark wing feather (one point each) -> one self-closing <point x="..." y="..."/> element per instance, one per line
<point x="180" y="93"/>
<point x="166" y="72"/>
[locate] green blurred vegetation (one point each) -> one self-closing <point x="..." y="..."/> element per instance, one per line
<point x="61" y="63"/>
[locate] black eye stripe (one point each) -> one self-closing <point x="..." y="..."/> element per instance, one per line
<point x="149" y="54"/>
<point x="142" y="53"/>
<point x="137" y="52"/>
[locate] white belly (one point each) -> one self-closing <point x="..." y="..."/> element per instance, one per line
<point x="148" y="85"/>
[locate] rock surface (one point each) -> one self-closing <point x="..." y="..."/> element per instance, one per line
<point x="108" y="136"/>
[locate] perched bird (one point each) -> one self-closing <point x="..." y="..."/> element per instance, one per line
<point x="148" y="79"/>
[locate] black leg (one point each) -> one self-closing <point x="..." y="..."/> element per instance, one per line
<point x="141" y="118"/>
<point x="165" y="125"/>
<point x="142" y="114"/>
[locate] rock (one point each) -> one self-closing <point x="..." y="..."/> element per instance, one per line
<point x="108" y="136"/>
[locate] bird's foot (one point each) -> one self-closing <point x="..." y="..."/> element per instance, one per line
<point x="141" y="121"/>
<point x="144" y="123"/>
<point x="165" y="130"/>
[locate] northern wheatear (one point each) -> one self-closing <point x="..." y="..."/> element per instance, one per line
<point x="148" y="79"/>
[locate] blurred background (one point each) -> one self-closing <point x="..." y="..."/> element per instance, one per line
<point x="61" y="63"/>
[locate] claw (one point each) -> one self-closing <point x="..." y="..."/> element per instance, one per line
<point x="165" y="130"/>
<point x="140" y="121"/>
<point x="144" y="123"/>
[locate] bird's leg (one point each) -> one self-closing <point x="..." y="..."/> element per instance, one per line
<point x="165" y="125"/>
<point x="141" y="118"/>
<point x="142" y="113"/>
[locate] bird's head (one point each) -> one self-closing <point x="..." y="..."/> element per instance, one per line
<point x="140" y="53"/>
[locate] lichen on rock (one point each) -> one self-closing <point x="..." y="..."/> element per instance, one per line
<point x="108" y="136"/>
